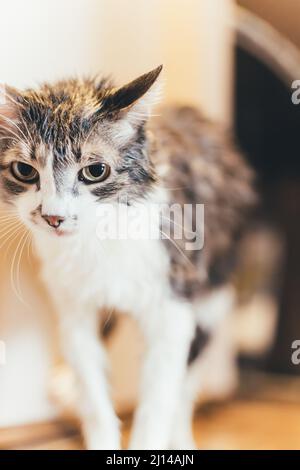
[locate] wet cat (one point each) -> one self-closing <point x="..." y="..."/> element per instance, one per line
<point x="80" y="157"/>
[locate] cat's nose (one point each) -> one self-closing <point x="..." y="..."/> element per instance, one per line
<point x="53" y="220"/>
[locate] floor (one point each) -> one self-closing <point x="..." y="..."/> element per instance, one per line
<point x="270" y="421"/>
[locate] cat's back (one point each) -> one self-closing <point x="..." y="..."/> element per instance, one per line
<point x="189" y="149"/>
<point x="197" y="163"/>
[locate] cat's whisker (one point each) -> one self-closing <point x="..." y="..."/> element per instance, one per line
<point x="10" y="131"/>
<point x="10" y="121"/>
<point x="27" y="129"/>
<point x="12" y="216"/>
<point x="179" y="249"/>
<point x="30" y="249"/>
<point x="6" y="138"/>
<point x="12" y="237"/>
<point x="176" y="188"/>
<point x="9" y="215"/>
<point x="10" y="233"/>
<point x="16" y="259"/>
<point x="7" y="230"/>
<point x="6" y="225"/>
<point x="14" y="286"/>
<point x="18" y="279"/>
<point x="184" y="230"/>
<point x="9" y="210"/>
<point x="143" y="115"/>
<point x="7" y="219"/>
<point x="89" y="134"/>
<point x="7" y="238"/>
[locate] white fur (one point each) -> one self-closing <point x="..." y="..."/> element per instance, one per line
<point x="83" y="274"/>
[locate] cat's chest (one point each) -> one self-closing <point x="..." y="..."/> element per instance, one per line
<point x="124" y="274"/>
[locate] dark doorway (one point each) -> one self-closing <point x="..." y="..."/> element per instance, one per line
<point x="267" y="126"/>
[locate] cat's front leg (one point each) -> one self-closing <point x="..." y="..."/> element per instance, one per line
<point x="83" y="350"/>
<point x="169" y="331"/>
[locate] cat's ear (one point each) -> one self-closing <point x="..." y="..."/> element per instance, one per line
<point x="136" y="98"/>
<point x="8" y="108"/>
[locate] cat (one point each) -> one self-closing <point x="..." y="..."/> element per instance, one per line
<point x="70" y="149"/>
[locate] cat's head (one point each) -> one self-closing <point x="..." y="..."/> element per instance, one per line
<point x="66" y="148"/>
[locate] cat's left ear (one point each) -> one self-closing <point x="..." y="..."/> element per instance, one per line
<point x="135" y="100"/>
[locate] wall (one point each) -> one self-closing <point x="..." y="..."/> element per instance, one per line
<point x="282" y="14"/>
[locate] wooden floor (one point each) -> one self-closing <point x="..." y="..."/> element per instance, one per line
<point x="271" y="421"/>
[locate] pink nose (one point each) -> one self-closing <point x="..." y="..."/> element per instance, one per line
<point x="53" y="220"/>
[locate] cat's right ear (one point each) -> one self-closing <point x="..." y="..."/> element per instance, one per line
<point x="8" y="109"/>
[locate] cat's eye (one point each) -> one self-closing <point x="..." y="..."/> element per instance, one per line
<point x="24" y="172"/>
<point x="94" y="173"/>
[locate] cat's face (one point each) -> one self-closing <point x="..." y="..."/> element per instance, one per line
<point x="67" y="148"/>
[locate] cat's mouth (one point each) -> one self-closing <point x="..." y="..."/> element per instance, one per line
<point x="63" y="233"/>
<point x="56" y="232"/>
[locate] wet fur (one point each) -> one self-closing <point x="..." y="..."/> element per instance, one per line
<point x="179" y="297"/>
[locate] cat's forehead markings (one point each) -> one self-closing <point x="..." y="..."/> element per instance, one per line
<point x="99" y="150"/>
<point x="41" y="154"/>
<point x="90" y="153"/>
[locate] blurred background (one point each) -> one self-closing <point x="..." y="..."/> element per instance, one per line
<point x="237" y="61"/>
